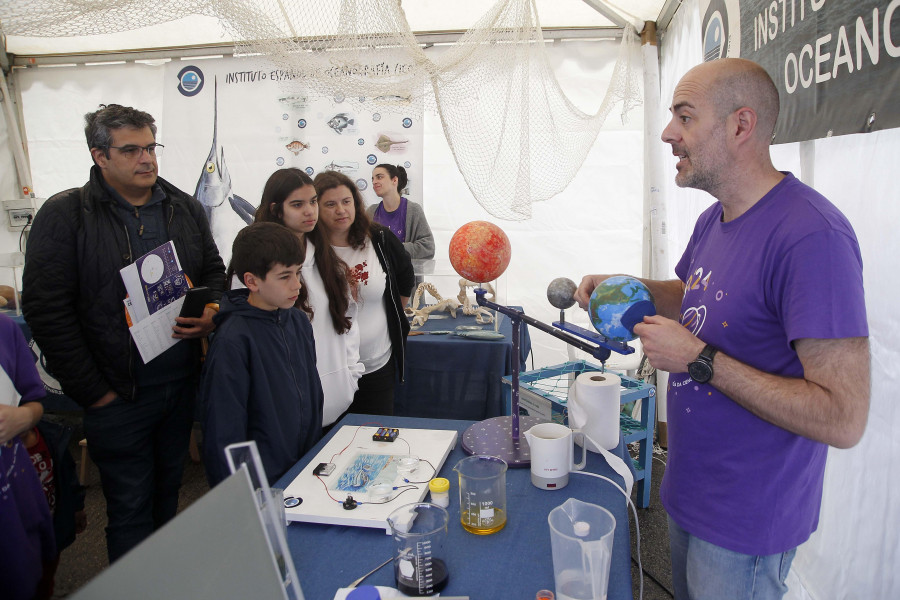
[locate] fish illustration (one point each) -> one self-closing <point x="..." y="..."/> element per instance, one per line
<point x="214" y="187"/>
<point x="392" y="98"/>
<point x="342" y="166"/>
<point x="339" y="122"/>
<point x="384" y="143"/>
<point x="297" y="147"/>
<point x="295" y="101"/>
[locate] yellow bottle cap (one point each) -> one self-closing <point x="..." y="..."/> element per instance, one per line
<point x="439" y="484"/>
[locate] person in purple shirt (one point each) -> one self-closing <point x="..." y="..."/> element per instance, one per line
<point x="27" y="542"/>
<point x="405" y="219"/>
<point x="765" y="336"/>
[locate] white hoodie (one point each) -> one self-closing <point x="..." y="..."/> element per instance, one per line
<point x="337" y="356"/>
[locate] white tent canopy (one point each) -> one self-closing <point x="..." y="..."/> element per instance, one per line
<point x="600" y="223"/>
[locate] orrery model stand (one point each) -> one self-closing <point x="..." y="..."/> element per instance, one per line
<point x="499" y="436"/>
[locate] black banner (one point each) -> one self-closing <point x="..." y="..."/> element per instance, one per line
<point x="836" y="62"/>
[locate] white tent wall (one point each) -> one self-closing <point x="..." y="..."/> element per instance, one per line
<point x="594" y="224"/>
<point x="856" y="549"/>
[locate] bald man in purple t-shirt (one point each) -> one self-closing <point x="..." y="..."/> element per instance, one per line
<point x="765" y="336"/>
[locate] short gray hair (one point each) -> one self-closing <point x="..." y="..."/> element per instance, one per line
<point x="98" y="125"/>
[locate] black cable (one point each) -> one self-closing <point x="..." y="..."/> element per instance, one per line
<point x="655" y="580"/>
<point x="22" y="235"/>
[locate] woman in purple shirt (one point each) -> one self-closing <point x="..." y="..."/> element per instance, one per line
<point x="404" y="218"/>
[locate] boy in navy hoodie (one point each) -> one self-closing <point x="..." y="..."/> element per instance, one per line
<point x="260" y="381"/>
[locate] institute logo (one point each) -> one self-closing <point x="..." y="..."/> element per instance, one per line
<point x="190" y="81"/>
<point x="721" y="29"/>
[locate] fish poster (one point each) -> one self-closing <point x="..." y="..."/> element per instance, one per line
<point x="229" y="123"/>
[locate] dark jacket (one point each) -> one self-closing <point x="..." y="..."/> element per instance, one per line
<point x="260" y="383"/>
<point x="69" y="493"/>
<point x="400" y="280"/>
<point x="73" y="292"/>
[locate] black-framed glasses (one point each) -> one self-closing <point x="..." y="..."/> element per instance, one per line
<point x="133" y="152"/>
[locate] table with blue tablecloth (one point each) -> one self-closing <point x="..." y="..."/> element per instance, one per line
<point x="452" y="377"/>
<point x="513" y="563"/>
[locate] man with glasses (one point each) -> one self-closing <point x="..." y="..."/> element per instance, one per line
<point x="138" y="416"/>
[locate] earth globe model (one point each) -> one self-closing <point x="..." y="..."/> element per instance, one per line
<point x="479" y="251"/>
<point x="618" y="304"/>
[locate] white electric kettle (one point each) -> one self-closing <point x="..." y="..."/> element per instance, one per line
<point x="553" y="455"/>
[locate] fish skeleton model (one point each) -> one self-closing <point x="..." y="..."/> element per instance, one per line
<point x="214" y="188"/>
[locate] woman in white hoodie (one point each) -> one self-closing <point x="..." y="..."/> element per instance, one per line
<point x="290" y="199"/>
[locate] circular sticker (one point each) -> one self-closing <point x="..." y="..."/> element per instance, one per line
<point x="407" y="165"/>
<point x="371" y="159"/>
<point x="152" y="269"/>
<point x="279" y="161"/>
<point x="407" y="122"/>
<point x="376" y="117"/>
<point x="301" y="123"/>
<point x="324" y="149"/>
<point x="309" y="171"/>
<point x="362" y="184"/>
<point x="360" y="141"/>
<point x="284" y="117"/>
<point x="339" y="97"/>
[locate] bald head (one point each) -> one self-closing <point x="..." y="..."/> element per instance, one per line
<point x="735" y="83"/>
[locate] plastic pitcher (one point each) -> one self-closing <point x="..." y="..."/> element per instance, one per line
<point x="581" y="537"/>
<point x="419" y="531"/>
<point x="482" y="494"/>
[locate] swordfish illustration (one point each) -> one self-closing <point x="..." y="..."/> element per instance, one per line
<point x="214" y="187"/>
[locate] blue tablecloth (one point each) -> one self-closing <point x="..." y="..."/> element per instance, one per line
<point x="450" y="377"/>
<point x="513" y="563"/>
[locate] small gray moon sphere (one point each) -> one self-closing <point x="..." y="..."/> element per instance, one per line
<point x="561" y="292"/>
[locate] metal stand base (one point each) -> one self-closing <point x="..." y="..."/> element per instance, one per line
<point x="494" y="438"/>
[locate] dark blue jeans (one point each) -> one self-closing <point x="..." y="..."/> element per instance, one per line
<point x="139" y="448"/>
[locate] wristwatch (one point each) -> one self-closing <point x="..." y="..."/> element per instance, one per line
<point x="701" y="368"/>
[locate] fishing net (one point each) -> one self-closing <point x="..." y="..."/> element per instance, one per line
<point x="516" y="137"/>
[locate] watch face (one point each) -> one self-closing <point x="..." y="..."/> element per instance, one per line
<point x="699" y="371"/>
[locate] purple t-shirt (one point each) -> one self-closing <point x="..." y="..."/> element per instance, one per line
<point x="26" y="527"/>
<point x="395" y="221"/>
<point x="788" y="268"/>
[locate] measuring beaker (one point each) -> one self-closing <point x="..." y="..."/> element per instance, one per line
<point x="419" y="531"/>
<point x="482" y="493"/>
<point x="581" y="539"/>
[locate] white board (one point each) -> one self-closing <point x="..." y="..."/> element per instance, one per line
<point x="381" y="462"/>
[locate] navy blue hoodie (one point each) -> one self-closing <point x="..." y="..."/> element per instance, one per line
<point x="260" y="383"/>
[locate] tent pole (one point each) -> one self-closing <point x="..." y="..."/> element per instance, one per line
<point x="656" y="247"/>
<point x="18" y="147"/>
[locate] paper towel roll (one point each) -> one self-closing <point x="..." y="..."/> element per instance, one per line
<point x="594" y="408"/>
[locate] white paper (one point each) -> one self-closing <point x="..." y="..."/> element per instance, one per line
<point x="153" y="281"/>
<point x="156" y="286"/>
<point x="153" y="335"/>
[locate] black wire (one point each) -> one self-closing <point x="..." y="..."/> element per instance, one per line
<point x="22" y="235"/>
<point x="655" y="580"/>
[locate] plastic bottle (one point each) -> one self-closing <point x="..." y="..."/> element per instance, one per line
<point x="440" y="491"/>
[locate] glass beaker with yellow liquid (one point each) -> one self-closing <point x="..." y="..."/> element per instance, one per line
<point x="482" y="493"/>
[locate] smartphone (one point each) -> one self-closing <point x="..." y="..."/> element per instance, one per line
<point x="194" y="301"/>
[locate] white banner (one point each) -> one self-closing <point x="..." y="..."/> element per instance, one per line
<point x="231" y="122"/>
